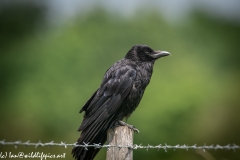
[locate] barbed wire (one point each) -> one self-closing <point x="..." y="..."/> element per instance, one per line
<point x="165" y="147"/>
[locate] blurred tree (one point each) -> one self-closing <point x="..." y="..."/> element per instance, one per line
<point x="18" y="20"/>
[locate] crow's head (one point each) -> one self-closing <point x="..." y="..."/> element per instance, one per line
<point x="144" y="53"/>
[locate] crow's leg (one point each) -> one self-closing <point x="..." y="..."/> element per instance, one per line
<point x="121" y="123"/>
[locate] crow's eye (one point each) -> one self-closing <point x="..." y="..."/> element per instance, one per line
<point x="147" y="53"/>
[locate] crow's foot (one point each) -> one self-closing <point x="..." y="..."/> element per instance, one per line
<point x="121" y="123"/>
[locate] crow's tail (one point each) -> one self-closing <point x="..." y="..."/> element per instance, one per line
<point x="93" y="134"/>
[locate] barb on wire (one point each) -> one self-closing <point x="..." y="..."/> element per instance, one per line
<point x="135" y="146"/>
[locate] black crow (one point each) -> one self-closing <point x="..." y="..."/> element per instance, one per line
<point x="117" y="97"/>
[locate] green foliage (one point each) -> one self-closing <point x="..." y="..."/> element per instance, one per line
<point x="193" y="97"/>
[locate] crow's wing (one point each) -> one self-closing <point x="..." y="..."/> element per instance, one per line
<point x="105" y="102"/>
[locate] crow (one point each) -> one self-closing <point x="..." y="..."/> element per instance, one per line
<point x="117" y="97"/>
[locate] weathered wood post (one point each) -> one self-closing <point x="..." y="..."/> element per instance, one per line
<point x="120" y="136"/>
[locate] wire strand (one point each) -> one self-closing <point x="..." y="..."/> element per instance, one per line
<point x="165" y="146"/>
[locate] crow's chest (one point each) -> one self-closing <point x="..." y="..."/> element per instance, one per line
<point x="135" y="95"/>
<point x="142" y="80"/>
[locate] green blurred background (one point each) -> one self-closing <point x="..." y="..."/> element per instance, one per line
<point x="51" y="64"/>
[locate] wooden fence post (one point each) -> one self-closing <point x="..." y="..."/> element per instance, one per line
<point x="120" y="136"/>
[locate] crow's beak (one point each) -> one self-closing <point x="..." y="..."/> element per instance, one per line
<point x="159" y="54"/>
